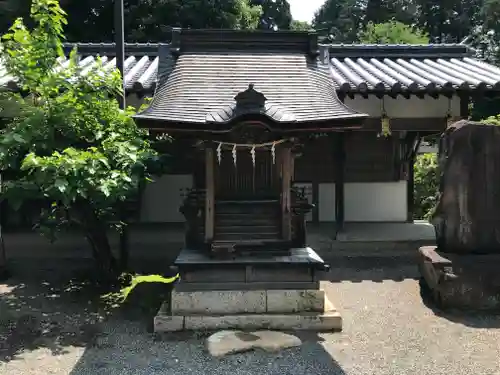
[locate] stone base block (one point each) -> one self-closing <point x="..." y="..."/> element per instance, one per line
<point x="461" y="281"/>
<point x="247" y="302"/>
<point x="243" y="310"/>
<point x="330" y="321"/>
<point x="322" y="322"/>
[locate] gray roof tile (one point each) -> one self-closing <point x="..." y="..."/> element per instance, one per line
<point x="354" y="68"/>
<point x="203" y="83"/>
<point x="210" y="77"/>
<point x="409" y="68"/>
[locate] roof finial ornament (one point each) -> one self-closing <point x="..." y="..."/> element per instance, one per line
<point x="250" y="99"/>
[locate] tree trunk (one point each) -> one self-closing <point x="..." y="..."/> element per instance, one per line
<point x="105" y="261"/>
<point x="96" y="234"/>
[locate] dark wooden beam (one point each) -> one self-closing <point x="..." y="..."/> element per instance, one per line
<point x="120" y="46"/>
<point x="210" y="194"/>
<point x="464" y="106"/>
<point x="286" y="180"/>
<point x="410" y="192"/>
<point x="339" y="158"/>
<point x="120" y="58"/>
<point x="315" y="200"/>
<point x="412" y="142"/>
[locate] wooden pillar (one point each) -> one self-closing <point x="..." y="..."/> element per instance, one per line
<point x="339" y="159"/>
<point x="464" y="106"/>
<point x="4" y="274"/>
<point x="339" y="150"/>
<point x="286" y="180"/>
<point x="209" y="194"/>
<point x="410" y="193"/>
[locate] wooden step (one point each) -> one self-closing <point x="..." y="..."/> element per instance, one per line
<point x="247" y="217"/>
<point x="246" y="221"/>
<point x="247" y="202"/>
<point x="239" y="237"/>
<point x="249" y="211"/>
<point x="247" y="229"/>
<point x="254" y="242"/>
<point x="246" y="207"/>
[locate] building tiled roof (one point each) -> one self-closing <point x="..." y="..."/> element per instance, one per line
<point x="354" y="68"/>
<point x="409" y="68"/>
<point x="141" y="64"/>
<point x="215" y="76"/>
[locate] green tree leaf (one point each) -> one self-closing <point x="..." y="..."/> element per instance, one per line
<point x="68" y="144"/>
<point x="392" y="33"/>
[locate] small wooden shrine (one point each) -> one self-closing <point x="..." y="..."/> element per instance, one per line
<point x="247" y="100"/>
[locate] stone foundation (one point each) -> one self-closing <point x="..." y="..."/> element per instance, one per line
<point x="252" y="292"/>
<point x="244" y="310"/>
<point x="469" y="281"/>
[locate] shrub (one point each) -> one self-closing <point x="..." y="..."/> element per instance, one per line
<point x="426" y="185"/>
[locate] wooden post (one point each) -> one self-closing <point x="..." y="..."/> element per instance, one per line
<point x="339" y="180"/>
<point x="410" y="193"/>
<point x="4" y="274"/>
<point x="286" y="180"/>
<point x="339" y="159"/>
<point x="464" y="106"/>
<point x="209" y="194"/>
<point x="120" y="47"/>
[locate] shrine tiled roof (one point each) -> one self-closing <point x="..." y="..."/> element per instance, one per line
<point x="216" y="76"/>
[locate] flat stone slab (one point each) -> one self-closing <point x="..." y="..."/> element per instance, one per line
<point x="230" y="342"/>
<point x="247" y="302"/>
<point x="307" y="256"/>
<point x="321" y="322"/>
<point x="461" y="281"/>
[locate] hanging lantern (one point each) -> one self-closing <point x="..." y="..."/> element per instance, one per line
<point x="386" y="126"/>
<point x="273" y="152"/>
<point x="219" y="152"/>
<point x="252" y="152"/>
<point x="234" y="155"/>
<point x="385" y="122"/>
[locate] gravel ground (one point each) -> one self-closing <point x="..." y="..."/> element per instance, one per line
<point x="387" y="330"/>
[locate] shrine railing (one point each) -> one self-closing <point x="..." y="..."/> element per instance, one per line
<point x="300" y="208"/>
<point x="193" y="209"/>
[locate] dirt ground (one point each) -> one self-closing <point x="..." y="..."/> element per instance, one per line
<point x="52" y="321"/>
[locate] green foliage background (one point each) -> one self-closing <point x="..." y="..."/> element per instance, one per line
<point x="426" y="185"/>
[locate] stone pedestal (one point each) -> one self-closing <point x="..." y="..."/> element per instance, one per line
<point x="461" y="281"/>
<point x="264" y="292"/>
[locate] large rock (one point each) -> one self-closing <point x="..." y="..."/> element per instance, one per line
<point x="463" y="270"/>
<point x="461" y="281"/>
<point x="230" y="342"/>
<point x="467" y="218"/>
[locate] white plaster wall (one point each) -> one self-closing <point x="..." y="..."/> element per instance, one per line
<point x="365" y="202"/>
<point x="163" y="198"/>
<point x="376" y="201"/>
<point x="309" y="194"/>
<point x="326" y="202"/>
<point x="405" y="108"/>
